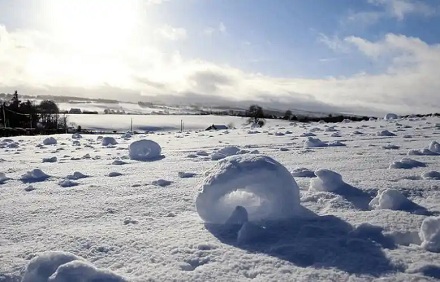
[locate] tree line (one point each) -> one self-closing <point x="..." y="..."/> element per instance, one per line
<point x="26" y="114"/>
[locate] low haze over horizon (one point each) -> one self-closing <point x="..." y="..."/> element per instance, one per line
<point x="358" y="56"/>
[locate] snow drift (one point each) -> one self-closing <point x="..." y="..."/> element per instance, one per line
<point x="261" y="185"/>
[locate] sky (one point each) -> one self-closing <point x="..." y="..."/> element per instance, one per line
<point x="353" y="56"/>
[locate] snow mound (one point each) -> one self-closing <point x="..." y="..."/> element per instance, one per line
<point x="161" y="182"/>
<point x="108" y="141"/>
<point x="118" y="162"/>
<point x="311" y="142"/>
<point x="3" y="178"/>
<point x="336" y="143"/>
<point x="434" y="146"/>
<point x="50" y="160"/>
<point x="430" y="175"/>
<point x="302" y="172"/>
<point x="65" y="267"/>
<point x="183" y="174"/>
<point x="393" y="200"/>
<point x="34" y="176"/>
<point x="144" y="150"/>
<point x="421" y="152"/>
<point x="114" y="174"/>
<point x="76" y="175"/>
<point x="225" y="152"/>
<point x="407" y="163"/>
<point x="391" y="147"/>
<point x="202" y="153"/>
<point x="67" y="183"/>
<point x="49" y="141"/>
<point x="259" y="184"/>
<point x="326" y="181"/>
<point x="430" y="234"/>
<point x="308" y="134"/>
<point x="29" y="188"/>
<point x="385" y="133"/>
<point x="76" y="136"/>
<point x="390" y="116"/>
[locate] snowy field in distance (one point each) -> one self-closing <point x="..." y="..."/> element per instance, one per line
<point x="142" y="123"/>
<point x="363" y="203"/>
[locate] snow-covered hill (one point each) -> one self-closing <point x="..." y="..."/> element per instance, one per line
<point x="287" y="202"/>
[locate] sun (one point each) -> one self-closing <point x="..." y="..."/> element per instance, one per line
<point x="93" y="26"/>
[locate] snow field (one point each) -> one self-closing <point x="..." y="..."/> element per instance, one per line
<point x="132" y="228"/>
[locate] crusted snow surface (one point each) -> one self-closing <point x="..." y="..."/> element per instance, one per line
<point x="144" y="232"/>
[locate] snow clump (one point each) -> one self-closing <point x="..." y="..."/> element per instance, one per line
<point x="67" y="183"/>
<point x="50" y="141"/>
<point x="385" y="133"/>
<point x="326" y="181"/>
<point x="302" y="172"/>
<point x="311" y="142"/>
<point x="390" y="116"/>
<point x="407" y="163"/>
<point x="34" y="175"/>
<point x="50" y="160"/>
<point x="430" y="234"/>
<point x="65" y="267"/>
<point x="225" y="152"/>
<point x="76" y="175"/>
<point x="144" y="150"/>
<point x="430" y="175"/>
<point x="391" y="199"/>
<point x="434" y="147"/>
<point x="108" y="141"/>
<point x="76" y="136"/>
<point x="259" y="184"/>
<point x="3" y="178"/>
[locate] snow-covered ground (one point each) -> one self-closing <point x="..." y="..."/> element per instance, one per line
<point x="223" y="206"/>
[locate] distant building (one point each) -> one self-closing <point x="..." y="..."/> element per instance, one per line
<point x="75" y="111"/>
<point x="218" y="127"/>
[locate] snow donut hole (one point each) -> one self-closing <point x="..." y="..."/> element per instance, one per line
<point x="259" y="184"/>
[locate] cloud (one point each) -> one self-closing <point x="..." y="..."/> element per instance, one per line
<point x="171" y="33"/>
<point x="364" y="18"/>
<point x="220" y="29"/>
<point x="36" y="63"/>
<point x="334" y="43"/>
<point x="399" y="9"/>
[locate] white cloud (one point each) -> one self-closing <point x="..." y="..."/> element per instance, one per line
<point x="39" y="64"/>
<point x="221" y="29"/>
<point x="401" y="8"/>
<point x="334" y="43"/>
<point x="171" y="33"/>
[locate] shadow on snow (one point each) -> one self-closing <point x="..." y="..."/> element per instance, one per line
<point x="316" y="241"/>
